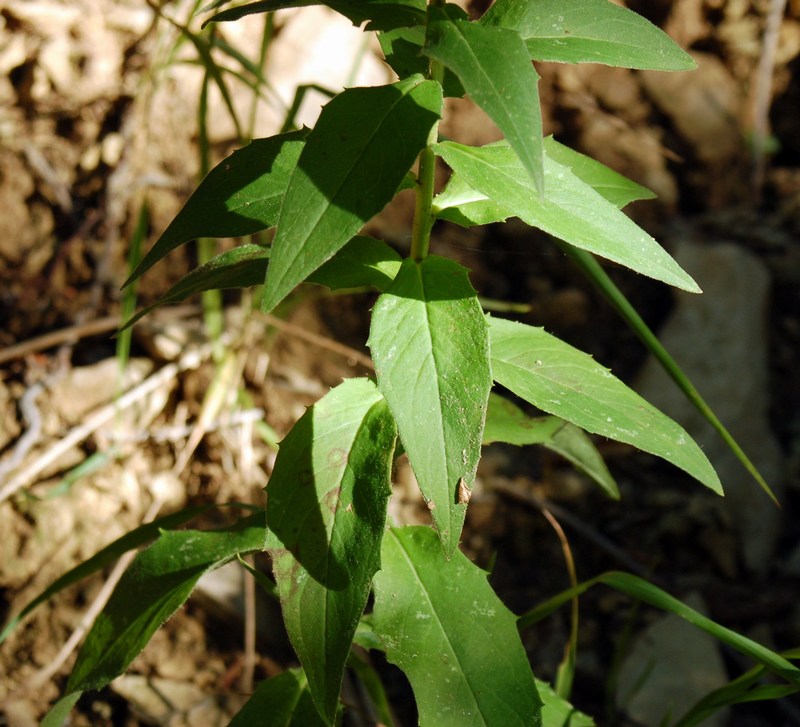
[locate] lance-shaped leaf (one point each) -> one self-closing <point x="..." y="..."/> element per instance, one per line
<point x="241" y="267"/>
<point x="570" y="209"/>
<point x="610" y="185"/>
<point x="560" y="380"/>
<point x="461" y="204"/>
<point x="494" y="68"/>
<point x="282" y="701"/>
<point x="156" y="584"/>
<point x="364" y="142"/>
<point x="105" y="557"/>
<point x="381" y="14"/>
<point x="326" y="513"/>
<point x="506" y="422"/>
<point x="240" y="196"/>
<point x="429" y="344"/>
<point x="558" y="712"/>
<point x="445" y="627"/>
<point x="645" y="591"/>
<point x="589" y="31"/>
<point x="362" y="262"/>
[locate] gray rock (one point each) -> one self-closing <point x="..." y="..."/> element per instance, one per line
<point x="671" y="665"/>
<point x="720" y="341"/>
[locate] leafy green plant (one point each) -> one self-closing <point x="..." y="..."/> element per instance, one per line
<point x="437" y="356"/>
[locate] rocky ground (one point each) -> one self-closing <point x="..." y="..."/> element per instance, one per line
<point x="99" y="106"/>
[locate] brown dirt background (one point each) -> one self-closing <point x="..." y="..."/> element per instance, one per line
<point x="98" y="111"/>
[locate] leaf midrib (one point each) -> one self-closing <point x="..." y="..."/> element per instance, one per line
<point x="413" y="568"/>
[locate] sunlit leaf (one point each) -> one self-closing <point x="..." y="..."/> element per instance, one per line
<point x="445" y="627"/>
<point x="158" y="581"/>
<point x="558" y="712"/>
<point x="429" y="344"/>
<point x="381" y="14"/>
<point x="461" y="204"/>
<point x="560" y="380"/>
<point x="494" y="68"/>
<point x="570" y="209"/>
<point x="105" y="557"/>
<point x="610" y="185"/>
<point x="588" y="31"/>
<point x="326" y="512"/>
<point x="58" y="714"/>
<point x="240" y="196"/>
<point x="363" y="144"/>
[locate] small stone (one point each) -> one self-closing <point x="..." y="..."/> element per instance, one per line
<point x="671" y="665"/>
<point x="719" y="339"/>
<point x="703" y="105"/>
<point x="88" y="387"/>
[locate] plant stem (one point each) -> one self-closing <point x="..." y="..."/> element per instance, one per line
<point x="423" y="219"/>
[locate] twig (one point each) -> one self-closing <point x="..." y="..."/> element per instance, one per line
<point x="46" y="673"/>
<point x="763" y="92"/>
<point x="225" y="380"/>
<point x="190" y="359"/>
<point x="56" y="338"/>
<point x="566" y="669"/>
<point x="241" y="418"/>
<point x="321" y="341"/>
<point x="600" y="540"/>
<point x="248" y="467"/>
<point x="249" y="666"/>
<point x="33" y="419"/>
<point x="44" y="170"/>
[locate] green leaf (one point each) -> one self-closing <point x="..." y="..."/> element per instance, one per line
<point x="429" y="344"/>
<point x="239" y="196"/>
<point x="364" y="142"/>
<point x="267" y="585"/>
<point x="156" y="584"/>
<point x="241" y="267"/>
<point x="558" y="712"/>
<point x="594" y="271"/>
<point x="461" y="204"/>
<point x="326" y="512"/>
<point x="560" y="380"/>
<point x="445" y="627"/>
<point x="364" y="261"/>
<point x="589" y="31"/>
<point x="381" y="14"/>
<point x="402" y="49"/>
<point x="610" y="185"/>
<point x="493" y="65"/>
<point x="58" y="714"/>
<point x="745" y="688"/>
<point x="506" y="422"/>
<point x="282" y="701"/>
<point x="648" y="593"/>
<point x="106" y="557"/>
<point x="570" y="210"/>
